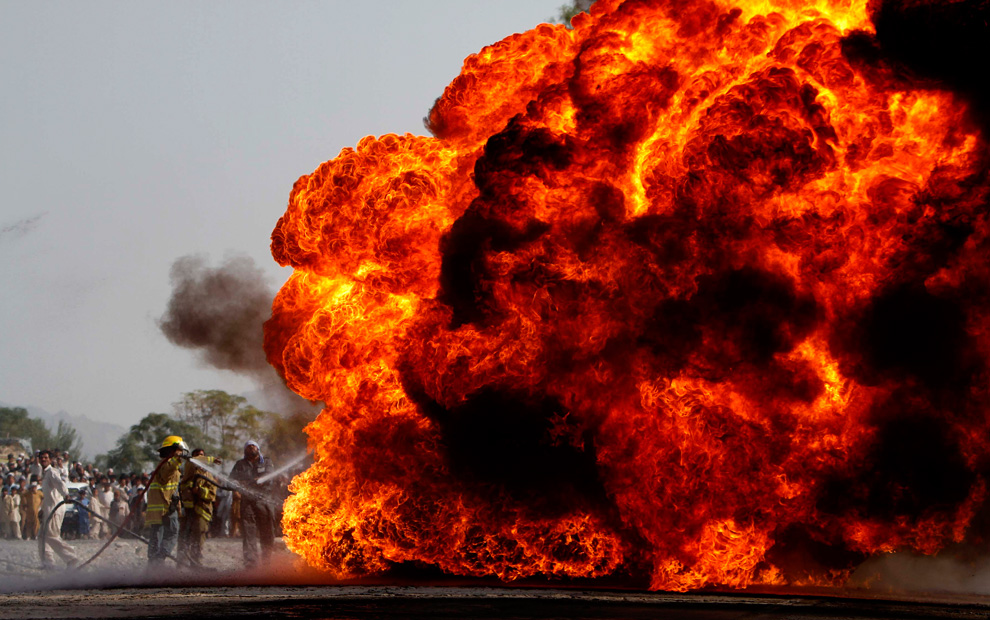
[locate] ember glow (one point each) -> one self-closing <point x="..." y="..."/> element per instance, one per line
<point x="689" y="293"/>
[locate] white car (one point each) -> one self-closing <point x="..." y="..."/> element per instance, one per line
<point x="70" y="523"/>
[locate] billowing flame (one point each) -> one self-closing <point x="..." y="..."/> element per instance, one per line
<point x="689" y="292"/>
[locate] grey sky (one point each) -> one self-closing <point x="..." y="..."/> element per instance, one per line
<point x="133" y="133"/>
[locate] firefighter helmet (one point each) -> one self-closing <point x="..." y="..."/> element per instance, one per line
<point x="174" y="440"/>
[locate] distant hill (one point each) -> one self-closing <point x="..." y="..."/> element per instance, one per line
<point x="96" y="437"/>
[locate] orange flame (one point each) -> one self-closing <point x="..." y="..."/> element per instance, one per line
<point x="685" y="293"/>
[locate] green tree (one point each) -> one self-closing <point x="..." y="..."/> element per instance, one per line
<point x="15" y="422"/>
<point x="214" y="420"/>
<point x="226" y="417"/>
<point x="137" y="449"/>
<point x="66" y="439"/>
<point x="251" y="423"/>
<point x="286" y="438"/>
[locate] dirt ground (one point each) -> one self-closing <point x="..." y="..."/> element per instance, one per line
<point x="437" y="603"/>
<point x="125" y="562"/>
<point x="118" y="584"/>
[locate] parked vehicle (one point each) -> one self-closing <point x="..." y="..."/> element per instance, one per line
<point x="70" y="523"/>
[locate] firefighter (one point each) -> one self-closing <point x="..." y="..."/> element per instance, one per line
<point x="197" y="490"/>
<point x="163" y="500"/>
<point x="257" y="516"/>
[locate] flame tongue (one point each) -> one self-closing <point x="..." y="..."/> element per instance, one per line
<point x="683" y="293"/>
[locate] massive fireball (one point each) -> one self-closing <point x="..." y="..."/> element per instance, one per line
<point x="690" y="293"/>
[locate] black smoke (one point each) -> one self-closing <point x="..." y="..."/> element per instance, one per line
<point x="219" y="313"/>
<point x="938" y="41"/>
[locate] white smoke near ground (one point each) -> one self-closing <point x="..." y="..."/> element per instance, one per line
<point x="124" y="564"/>
<point x="943" y="574"/>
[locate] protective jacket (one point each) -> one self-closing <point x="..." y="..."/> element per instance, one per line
<point x="163" y="492"/>
<point x="248" y="472"/>
<point x="198" y="489"/>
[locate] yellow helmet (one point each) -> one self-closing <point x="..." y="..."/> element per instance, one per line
<point x="174" y="440"/>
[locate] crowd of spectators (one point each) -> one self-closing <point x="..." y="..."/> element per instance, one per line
<point x="110" y="495"/>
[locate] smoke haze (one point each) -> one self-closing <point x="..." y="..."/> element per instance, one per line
<point x="219" y="313"/>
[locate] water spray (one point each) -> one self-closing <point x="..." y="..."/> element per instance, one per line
<point x="226" y="482"/>
<point x="221" y="480"/>
<point x="281" y="470"/>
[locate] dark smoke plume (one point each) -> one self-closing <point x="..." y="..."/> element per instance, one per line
<point x="219" y="312"/>
<point x="943" y="42"/>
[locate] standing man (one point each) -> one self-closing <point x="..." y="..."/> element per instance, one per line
<point x="138" y="502"/>
<point x="84" y="514"/>
<point x="99" y="529"/>
<point x="30" y="506"/>
<point x="257" y="516"/>
<point x="11" y="511"/>
<point x="198" y="489"/>
<point x="163" y="501"/>
<point x="34" y="467"/>
<point x="53" y="490"/>
<point x="120" y="507"/>
<point x="103" y="499"/>
<point x="61" y="460"/>
<point x="221" y="517"/>
<point x="5" y="518"/>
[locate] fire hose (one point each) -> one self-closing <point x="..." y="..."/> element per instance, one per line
<point x="120" y="527"/>
<point x="234" y="487"/>
<point x="237" y="488"/>
<point x="113" y="537"/>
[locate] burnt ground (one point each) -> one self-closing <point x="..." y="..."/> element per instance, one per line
<point x="119" y="585"/>
<point x="414" y="602"/>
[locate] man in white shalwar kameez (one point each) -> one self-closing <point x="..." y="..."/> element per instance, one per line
<point x="54" y="489"/>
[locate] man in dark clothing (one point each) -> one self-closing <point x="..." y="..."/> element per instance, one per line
<point x="257" y="516"/>
<point x="83" y="515"/>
